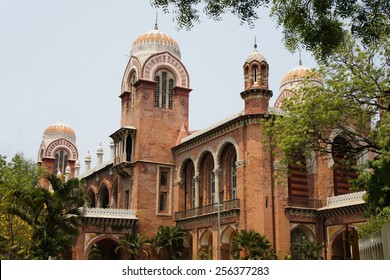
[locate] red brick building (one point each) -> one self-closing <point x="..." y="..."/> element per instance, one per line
<point x="212" y="182"/>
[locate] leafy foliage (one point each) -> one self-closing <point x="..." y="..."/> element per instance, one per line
<point x="374" y="178"/>
<point x="374" y="223"/>
<point x="316" y="25"/>
<point x="252" y="245"/>
<point x="307" y="250"/>
<point x="171" y="240"/>
<point x="135" y="244"/>
<point x="355" y="90"/>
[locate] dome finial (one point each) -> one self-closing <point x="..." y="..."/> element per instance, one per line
<point x="255" y="43"/>
<point x="155" y="24"/>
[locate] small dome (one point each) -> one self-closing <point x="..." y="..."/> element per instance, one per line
<point x="88" y="157"/>
<point x="298" y="74"/>
<point x="99" y="149"/>
<point x="255" y="56"/>
<point x="59" y="130"/>
<point x="154" y="41"/>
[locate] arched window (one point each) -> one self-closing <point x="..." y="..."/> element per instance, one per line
<point x="103" y="197"/>
<point x="133" y="79"/>
<point x="255" y="70"/>
<point x="263" y="76"/>
<point x="165" y="83"/>
<point x="297" y="236"/>
<point x="207" y="186"/>
<point x="91" y="198"/>
<point x="228" y="186"/>
<point x="114" y="196"/>
<point x="246" y="77"/>
<point x="189" y="185"/>
<point x="60" y="162"/>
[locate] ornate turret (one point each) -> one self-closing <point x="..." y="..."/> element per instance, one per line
<point x="256" y="93"/>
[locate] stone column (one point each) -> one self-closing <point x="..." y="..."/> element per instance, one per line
<point x="217" y="172"/>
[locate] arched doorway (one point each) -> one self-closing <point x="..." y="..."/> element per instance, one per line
<point x="345" y="245"/>
<point x="226" y="242"/>
<point x="206" y="245"/>
<point x="106" y="249"/>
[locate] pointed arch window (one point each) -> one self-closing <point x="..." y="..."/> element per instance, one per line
<point x="255" y="70"/>
<point x="165" y="83"/>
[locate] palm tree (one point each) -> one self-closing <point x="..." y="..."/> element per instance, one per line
<point x="134" y="243"/>
<point x="61" y="224"/>
<point x="171" y="239"/>
<point x="53" y="216"/>
<point x="254" y="246"/>
<point x="307" y="250"/>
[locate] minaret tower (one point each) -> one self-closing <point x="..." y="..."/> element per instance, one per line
<point x="256" y="94"/>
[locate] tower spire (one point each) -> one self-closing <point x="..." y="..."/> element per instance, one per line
<point x="155" y="24"/>
<point x="255" y="45"/>
<point x="300" y="58"/>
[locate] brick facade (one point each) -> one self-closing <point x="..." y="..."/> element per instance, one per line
<point x="167" y="175"/>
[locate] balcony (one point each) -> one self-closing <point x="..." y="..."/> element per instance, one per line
<point x="300" y="202"/>
<point x="227" y="208"/>
<point x="108" y="217"/>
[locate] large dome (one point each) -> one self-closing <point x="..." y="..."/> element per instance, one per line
<point x="152" y="42"/>
<point x="298" y="74"/>
<point x="59" y="130"/>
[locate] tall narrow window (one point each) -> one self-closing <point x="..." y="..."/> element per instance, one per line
<point x="170" y="100"/>
<point x="233" y="177"/>
<point x="60" y="162"/>
<point x="157" y="92"/>
<point x="164" y="92"/>
<point x="132" y="93"/>
<point x="263" y="76"/>
<point x="127" y="199"/>
<point x="163" y="201"/>
<point x="254" y="74"/>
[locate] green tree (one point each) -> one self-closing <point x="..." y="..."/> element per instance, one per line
<point x="134" y="244"/>
<point x="307" y="250"/>
<point x="171" y="240"/>
<point x="17" y="177"/>
<point x="37" y="223"/>
<point x="252" y="245"/>
<point x="355" y="90"/>
<point x="316" y="25"/>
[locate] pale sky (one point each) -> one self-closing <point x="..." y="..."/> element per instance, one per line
<point x="63" y="60"/>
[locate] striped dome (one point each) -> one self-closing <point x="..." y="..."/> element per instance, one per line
<point x="155" y="41"/>
<point x="59" y="130"/>
<point x="298" y="74"/>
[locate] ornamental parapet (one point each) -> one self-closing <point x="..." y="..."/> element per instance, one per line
<point x="346" y="199"/>
<point x="109" y="216"/>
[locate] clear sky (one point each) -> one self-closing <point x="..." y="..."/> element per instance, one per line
<point x="64" y="60"/>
